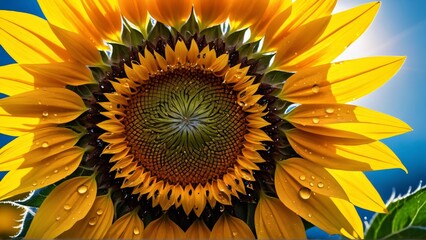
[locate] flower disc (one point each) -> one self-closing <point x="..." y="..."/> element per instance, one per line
<point x="185" y="126"/>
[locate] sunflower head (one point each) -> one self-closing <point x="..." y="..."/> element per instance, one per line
<point x="191" y="119"/>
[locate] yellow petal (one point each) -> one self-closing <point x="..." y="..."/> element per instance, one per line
<point x="198" y="230"/>
<point x="47" y="171"/>
<point x="211" y="13"/>
<point x="59" y="74"/>
<point x="300" y="13"/>
<point x="20" y="78"/>
<point x="229" y="227"/>
<point x="27" y="110"/>
<point x="171" y="12"/>
<point x="27" y="150"/>
<point x="181" y="52"/>
<point x="243" y="15"/>
<point x="163" y="228"/>
<point x="72" y="16"/>
<point x="79" y="47"/>
<point x="274" y="8"/>
<point x="15" y="80"/>
<point x="129" y="226"/>
<point x="345" y="121"/>
<point x="340" y="82"/>
<point x="11" y="217"/>
<point x="29" y="39"/>
<point x="307" y="11"/>
<point x="66" y="204"/>
<point x="330" y="214"/>
<point x="313" y="178"/>
<point x="341" y="153"/>
<point x="200" y="200"/>
<point x="331" y="36"/>
<point x="273" y="220"/>
<point x="113" y="126"/>
<point x="106" y="18"/>
<point x="362" y="194"/>
<point x="96" y="223"/>
<point x="136" y="12"/>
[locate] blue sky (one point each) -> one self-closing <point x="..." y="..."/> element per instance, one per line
<point x="399" y="29"/>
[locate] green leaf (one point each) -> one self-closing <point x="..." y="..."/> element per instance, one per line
<point x="119" y="52"/>
<point x="236" y="38"/>
<point x="159" y="31"/>
<point x="406" y="218"/>
<point x="247" y="49"/>
<point x="131" y="36"/>
<point x="190" y="27"/>
<point x="212" y="33"/>
<point x="276" y="78"/>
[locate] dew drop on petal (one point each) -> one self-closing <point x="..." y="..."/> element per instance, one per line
<point x="92" y="221"/>
<point x="309" y="215"/>
<point x="45" y="114"/>
<point x="315" y="89"/>
<point x="55" y="171"/>
<point x="99" y="211"/>
<point x="320" y="185"/>
<point x="329" y="110"/>
<point x="136" y="231"/>
<point x="45" y="145"/>
<point x="82" y="189"/>
<point x="67" y="207"/>
<point x="302" y="177"/>
<point x="315" y="120"/>
<point x="234" y="234"/>
<point x="311" y="184"/>
<point x="305" y="193"/>
<point x="34" y="183"/>
<point x="58" y="218"/>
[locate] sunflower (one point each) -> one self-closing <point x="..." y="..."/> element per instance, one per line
<point x="192" y="118"/>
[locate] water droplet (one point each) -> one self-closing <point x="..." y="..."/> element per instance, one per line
<point x="45" y="114"/>
<point x="234" y="234"/>
<point x="315" y="89"/>
<point x="34" y="183"/>
<point x="329" y="110"/>
<point x="305" y="193"/>
<point x="99" y="211"/>
<point x="313" y="177"/>
<point x="311" y="184"/>
<point x="45" y="145"/>
<point x="58" y="218"/>
<point x="222" y="208"/>
<point x="55" y="171"/>
<point x="66" y="168"/>
<point x="309" y="215"/>
<point x="92" y="221"/>
<point x="365" y="218"/>
<point x="315" y="120"/>
<point x="136" y="231"/>
<point x="320" y="185"/>
<point x="82" y="189"/>
<point x="302" y="177"/>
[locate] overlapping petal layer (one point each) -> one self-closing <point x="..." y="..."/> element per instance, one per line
<point x="66" y="204"/>
<point x="67" y="70"/>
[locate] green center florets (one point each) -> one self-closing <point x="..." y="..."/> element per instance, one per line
<point x="185" y="126"/>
